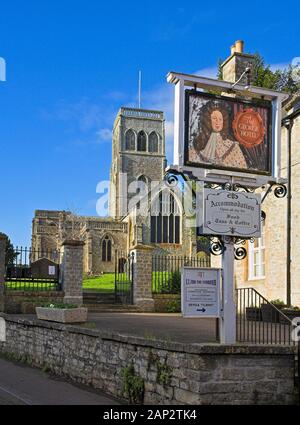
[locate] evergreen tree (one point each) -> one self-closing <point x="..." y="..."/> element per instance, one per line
<point x="286" y="80"/>
<point x="10" y="253"/>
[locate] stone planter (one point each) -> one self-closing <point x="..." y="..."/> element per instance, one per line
<point x="289" y="313"/>
<point x="254" y="313"/>
<point x="62" y="315"/>
<point x="269" y="314"/>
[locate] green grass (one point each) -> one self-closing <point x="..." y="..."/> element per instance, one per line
<point x="106" y="282"/>
<point x="102" y="283"/>
<point x="29" y="286"/>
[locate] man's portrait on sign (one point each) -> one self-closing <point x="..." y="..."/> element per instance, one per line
<point x="228" y="133"/>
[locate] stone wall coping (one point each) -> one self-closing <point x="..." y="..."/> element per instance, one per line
<point x="36" y="294"/>
<point x="166" y="296"/>
<point x="208" y="349"/>
<point x="73" y="242"/>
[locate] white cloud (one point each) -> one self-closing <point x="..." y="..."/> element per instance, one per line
<point x="162" y="98"/>
<point x="169" y="131"/>
<point x="84" y="114"/>
<point x="280" y="66"/>
<point x="91" y="121"/>
<point x="209" y="72"/>
<point x="104" y="134"/>
<point x="86" y="122"/>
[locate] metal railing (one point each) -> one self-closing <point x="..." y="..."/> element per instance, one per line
<point x="32" y="270"/>
<point x="166" y="271"/>
<point x="124" y="264"/>
<point x="261" y="322"/>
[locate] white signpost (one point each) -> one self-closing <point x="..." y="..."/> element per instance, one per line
<point x="231" y="213"/>
<point x="200" y="292"/>
<point x="203" y="151"/>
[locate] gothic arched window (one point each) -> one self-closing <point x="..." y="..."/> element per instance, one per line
<point x="143" y="178"/>
<point x="106" y="249"/>
<point x="141" y="141"/>
<point x="153" y="142"/>
<point x="165" y="219"/>
<point x="145" y="188"/>
<point x="130" y="140"/>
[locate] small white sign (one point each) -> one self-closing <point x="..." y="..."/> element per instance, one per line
<point x="231" y="213"/>
<point x="200" y="292"/>
<point x="51" y="270"/>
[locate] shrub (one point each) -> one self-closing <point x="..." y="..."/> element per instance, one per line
<point x="278" y="303"/>
<point x="173" y="284"/>
<point x="59" y="305"/>
<point x="295" y="308"/>
<point x="133" y="385"/>
<point x="173" y="306"/>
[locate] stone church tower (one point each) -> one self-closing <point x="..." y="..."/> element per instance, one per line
<point x="138" y="153"/>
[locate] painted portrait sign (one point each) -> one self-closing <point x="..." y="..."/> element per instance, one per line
<point x="228" y="133"/>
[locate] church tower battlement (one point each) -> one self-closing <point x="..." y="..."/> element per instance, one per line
<point x="138" y="153"/>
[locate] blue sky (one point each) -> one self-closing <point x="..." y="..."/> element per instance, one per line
<point x="72" y="64"/>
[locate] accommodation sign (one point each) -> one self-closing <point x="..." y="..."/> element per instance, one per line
<point x="231" y="213"/>
<point x="200" y="292"/>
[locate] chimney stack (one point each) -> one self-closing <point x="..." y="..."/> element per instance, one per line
<point x="236" y="63"/>
<point x="239" y="46"/>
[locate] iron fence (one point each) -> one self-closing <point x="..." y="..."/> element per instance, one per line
<point x="166" y="271"/>
<point x="261" y="322"/>
<point x="32" y="270"/>
<point x="124" y="264"/>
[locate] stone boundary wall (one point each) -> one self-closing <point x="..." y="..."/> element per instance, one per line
<point x="173" y="373"/>
<point x="169" y="303"/>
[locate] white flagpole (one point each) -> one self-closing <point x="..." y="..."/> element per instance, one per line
<point x="140" y="88"/>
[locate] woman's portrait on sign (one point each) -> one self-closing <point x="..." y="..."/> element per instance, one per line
<point x="228" y="134"/>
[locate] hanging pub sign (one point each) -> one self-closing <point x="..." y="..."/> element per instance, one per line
<point x="228" y="133"/>
<point x="231" y="213"/>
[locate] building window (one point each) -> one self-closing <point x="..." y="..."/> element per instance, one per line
<point x="141" y="141"/>
<point x="165" y="219"/>
<point x="256" y="251"/>
<point x="106" y="249"/>
<point x="144" y="190"/>
<point x="153" y="142"/>
<point x="130" y="140"/>
<point x="143" y="178"/>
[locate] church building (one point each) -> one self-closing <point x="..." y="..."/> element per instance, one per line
<point x="138" y="159"/>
